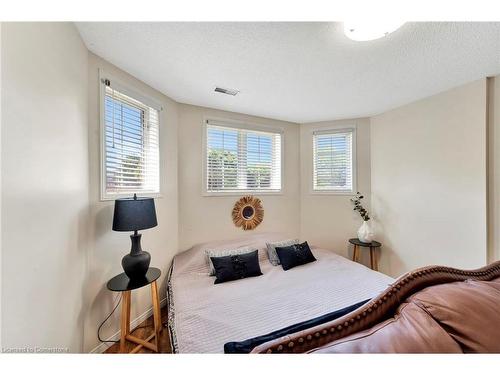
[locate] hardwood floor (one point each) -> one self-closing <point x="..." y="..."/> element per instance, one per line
<point x="142" y="331"/>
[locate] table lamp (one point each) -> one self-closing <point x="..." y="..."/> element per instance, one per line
<point x="134" y="214"/>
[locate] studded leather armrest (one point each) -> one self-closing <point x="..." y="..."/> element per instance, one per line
<point x="377" y="310"/>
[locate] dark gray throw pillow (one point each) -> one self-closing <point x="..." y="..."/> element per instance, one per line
<point x="237" y="266"/>
<point x="295" y="255"/>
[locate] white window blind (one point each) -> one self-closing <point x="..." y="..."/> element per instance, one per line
<point x="131" y="147"/>
<point x="333" y="160"/>
<point x="241" y="159"/>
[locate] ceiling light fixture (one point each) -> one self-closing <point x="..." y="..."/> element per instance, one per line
<point x="363" y="31"/>
<point x="226" y="91"/>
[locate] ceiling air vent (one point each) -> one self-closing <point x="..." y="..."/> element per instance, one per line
<point x="226" y="91"/>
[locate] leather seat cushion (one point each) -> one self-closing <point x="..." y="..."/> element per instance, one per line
<point x="468" y="311"/>
<point x="411" y="330"/>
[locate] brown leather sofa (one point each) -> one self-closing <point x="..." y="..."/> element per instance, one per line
<point x="429" y="310"/>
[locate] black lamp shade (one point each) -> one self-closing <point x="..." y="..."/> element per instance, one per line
<point x="133" y="214"/>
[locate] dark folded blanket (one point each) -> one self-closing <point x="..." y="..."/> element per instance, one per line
<point x="247" y="345"/>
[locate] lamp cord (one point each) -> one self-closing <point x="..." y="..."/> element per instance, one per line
<point x="105" y="320"/>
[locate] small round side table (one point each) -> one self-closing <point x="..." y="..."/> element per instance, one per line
<point x="121" y="283"/>
<point x="372" y="245"/>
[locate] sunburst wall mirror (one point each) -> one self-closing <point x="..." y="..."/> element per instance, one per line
<point x="248" y="212"/>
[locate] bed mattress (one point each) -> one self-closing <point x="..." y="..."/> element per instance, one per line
<point x="204" y="316"/>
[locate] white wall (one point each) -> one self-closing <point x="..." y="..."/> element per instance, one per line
<point x="108" y="247"/>
<point x="428" y="175"/>
<point x="328" y="220"/>
<point x="205" y="218"/>
<point x="44" y="185"/>
<point x="494" y="168"/>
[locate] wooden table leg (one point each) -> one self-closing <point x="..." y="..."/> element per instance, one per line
<point x="125" y="324"/>
<point x="156" y="314"/>
<point x="125" y="319"/>
<point x="373" y="260"/>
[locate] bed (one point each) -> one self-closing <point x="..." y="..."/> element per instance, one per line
<point x="203" y="317"/>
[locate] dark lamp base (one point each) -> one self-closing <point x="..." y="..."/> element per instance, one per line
<point x="136" y="264"/>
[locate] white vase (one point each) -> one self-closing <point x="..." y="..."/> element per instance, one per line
<point x="365" y="232"/>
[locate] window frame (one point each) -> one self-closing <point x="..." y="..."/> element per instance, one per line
<point x="236" y="124"/>
<point x="354" y="166"/>
<point x="143" y="98"/>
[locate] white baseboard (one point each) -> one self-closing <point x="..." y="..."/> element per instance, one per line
<point x="101" y="348"/>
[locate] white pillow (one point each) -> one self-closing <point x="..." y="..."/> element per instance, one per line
<point x="271" y="249"/>
<point x="225" y="252"/>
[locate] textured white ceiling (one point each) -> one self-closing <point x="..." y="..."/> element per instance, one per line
<point x="300" y="72"/>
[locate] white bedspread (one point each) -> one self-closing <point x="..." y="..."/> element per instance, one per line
<point x="206" y="316"/>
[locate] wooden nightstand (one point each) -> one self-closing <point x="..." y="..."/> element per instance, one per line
<point x="372" y="245"/>
<point x="121" y="283"/>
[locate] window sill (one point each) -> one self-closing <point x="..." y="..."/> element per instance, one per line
<point x="332" y="192"/>
<point x="239" y="193"/>
<point x="106" y="198"/>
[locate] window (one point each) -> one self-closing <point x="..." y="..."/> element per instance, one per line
<point x="130" y="150"/>
<point x="242" y="159"/>
<point x="333" y="160"/>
